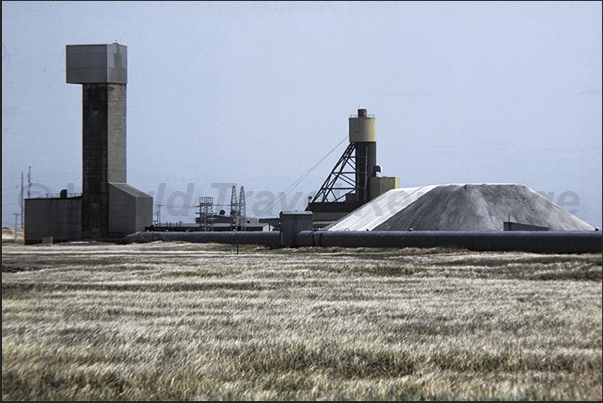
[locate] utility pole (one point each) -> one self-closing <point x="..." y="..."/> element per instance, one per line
<point x="15" y="231"/>
<point x="21" y="201"/>
<point x="159" y="213"/>
<point x="29" y="183"/>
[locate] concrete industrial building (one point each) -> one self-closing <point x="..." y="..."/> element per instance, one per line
<point x="56" y="218"/>
<point x="354" y="197"/>
<point x="108" y="208"/>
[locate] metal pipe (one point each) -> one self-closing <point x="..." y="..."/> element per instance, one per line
<point x="522" y="241"/>
<point x="525" y="241"/>
<point x="272" y="238"/>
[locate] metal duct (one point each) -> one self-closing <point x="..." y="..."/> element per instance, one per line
<point x="232" y="237"/>
<point x="524" y="241"/>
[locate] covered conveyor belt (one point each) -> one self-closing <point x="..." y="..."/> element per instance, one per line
<point x="524" y="241"/>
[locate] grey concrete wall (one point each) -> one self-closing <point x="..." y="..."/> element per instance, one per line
<point x="144" y="213"/>
<point x="122" y="212"/>
<point x="130" y="210"/>
<point x="382" y="184"/>
<point x="103" y="153"/>
<point x="52" y="217"/>
<point x="366" y="160"/>
<point x="116" y="133"/>
<point x="95" y="186"/>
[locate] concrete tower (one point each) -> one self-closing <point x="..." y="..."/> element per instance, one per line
<point x="110" y="207"/>
<point x="363" y="134"/>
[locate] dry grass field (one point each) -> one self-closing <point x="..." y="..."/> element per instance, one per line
<point x="177" y="321"/>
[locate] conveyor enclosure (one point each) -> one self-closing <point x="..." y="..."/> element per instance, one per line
<point x="523" y="241"/>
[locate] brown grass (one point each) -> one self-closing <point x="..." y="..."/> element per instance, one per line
<point x="197" y="321"/>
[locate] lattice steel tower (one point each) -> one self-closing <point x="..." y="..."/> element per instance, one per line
<point x="206" y="211"/>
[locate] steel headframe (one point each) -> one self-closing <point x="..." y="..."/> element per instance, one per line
<point x="327" y="193"/>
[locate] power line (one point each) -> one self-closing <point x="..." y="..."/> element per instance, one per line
<point x="21" y="200"/>
<point x="297" y="182"/>
<point x="52" y="183"/>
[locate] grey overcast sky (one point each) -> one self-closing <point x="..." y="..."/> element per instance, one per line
<point x="256" y="93"/>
